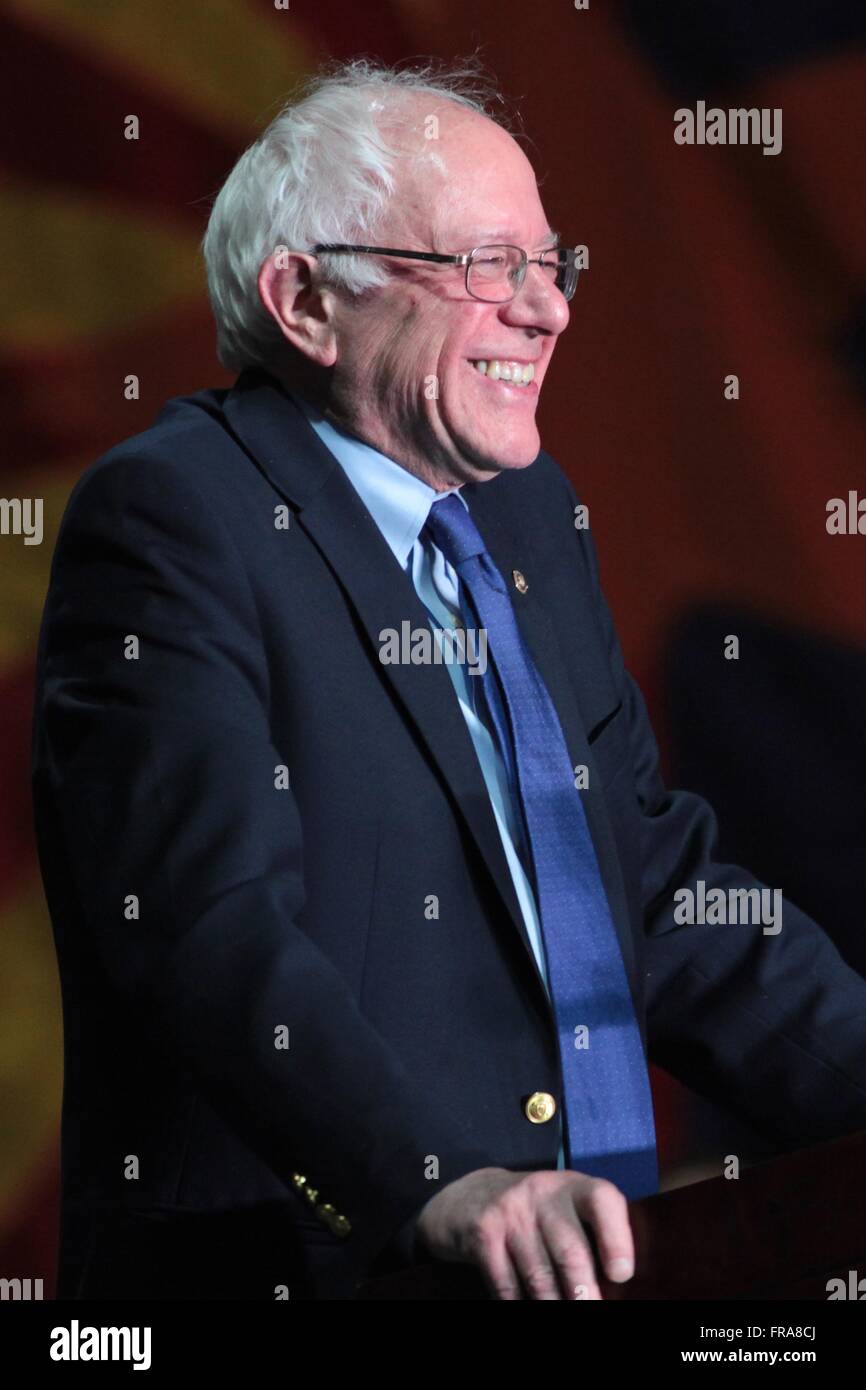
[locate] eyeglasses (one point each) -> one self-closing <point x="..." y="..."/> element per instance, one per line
<point x="494" y="274"/>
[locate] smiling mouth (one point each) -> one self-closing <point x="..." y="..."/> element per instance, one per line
<point x="510" y="373"/>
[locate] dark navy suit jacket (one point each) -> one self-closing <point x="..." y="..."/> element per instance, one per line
<point x="191" y="649"/>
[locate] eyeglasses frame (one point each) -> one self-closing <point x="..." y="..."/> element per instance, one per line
<point x="464" y="259"/>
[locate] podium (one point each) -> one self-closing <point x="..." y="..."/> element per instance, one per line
<point x="781" y="1230"/>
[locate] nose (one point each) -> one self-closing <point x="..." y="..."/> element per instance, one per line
<point x="538" y="304"/>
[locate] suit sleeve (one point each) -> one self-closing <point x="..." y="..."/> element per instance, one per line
<point x="771" y="1026"/>
<point x="187" y="853"/>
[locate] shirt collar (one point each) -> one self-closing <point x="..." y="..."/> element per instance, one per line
<point x="398" y="502"/>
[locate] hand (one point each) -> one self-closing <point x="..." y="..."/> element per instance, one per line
<point x="525" y="1231"/>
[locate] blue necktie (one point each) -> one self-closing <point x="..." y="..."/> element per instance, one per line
<point x="609" y="1126"/>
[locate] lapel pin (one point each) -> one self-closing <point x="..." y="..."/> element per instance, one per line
<point x="520" y="583"/>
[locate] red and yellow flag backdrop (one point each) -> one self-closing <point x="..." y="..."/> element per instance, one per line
<point x="703" y="262"/>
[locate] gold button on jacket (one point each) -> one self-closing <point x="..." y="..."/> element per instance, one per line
<point x="540" y="1107"/>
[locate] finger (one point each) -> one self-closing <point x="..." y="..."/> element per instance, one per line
<point x="571" y="1255"/>
<point x="497" y="1268"/>
<point x="602" y="1206"/>
<point x="532" y="1260"/>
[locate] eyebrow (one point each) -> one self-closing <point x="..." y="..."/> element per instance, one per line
<point x="501" y="238"/>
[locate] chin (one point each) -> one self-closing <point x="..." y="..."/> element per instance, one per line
<point x="510" y="453"/>
<point x="494" y="450"/>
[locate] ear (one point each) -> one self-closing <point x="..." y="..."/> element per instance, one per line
<point x="302" y="309"/>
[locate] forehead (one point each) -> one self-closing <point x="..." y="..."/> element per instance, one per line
<point x="472" y="183"/>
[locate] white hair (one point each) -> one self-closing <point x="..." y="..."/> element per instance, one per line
<point x="320" y="172"/>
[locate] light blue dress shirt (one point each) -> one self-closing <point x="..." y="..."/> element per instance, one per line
<point x="399" y="503"/>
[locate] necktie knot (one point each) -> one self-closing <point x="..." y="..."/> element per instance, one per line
<point x="453" y="530"/>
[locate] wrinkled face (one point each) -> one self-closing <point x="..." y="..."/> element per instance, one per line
<point x="406" y="378"/>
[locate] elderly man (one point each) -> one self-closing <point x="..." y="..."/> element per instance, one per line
<point x="364" y="943"/>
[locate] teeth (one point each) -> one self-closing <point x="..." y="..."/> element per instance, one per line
<point x="518" y="373"/>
